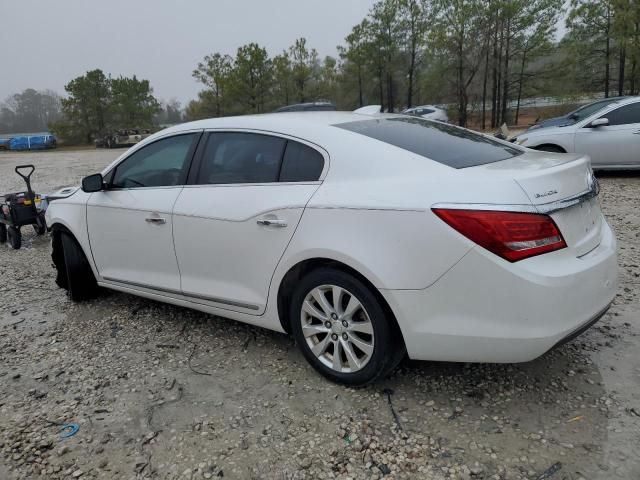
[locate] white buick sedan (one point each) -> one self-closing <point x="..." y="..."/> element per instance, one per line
<point x="367" y="237"/>
<point x="609" y="134"/>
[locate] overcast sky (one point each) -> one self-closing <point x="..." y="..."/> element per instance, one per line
<point x="44" y="44"/>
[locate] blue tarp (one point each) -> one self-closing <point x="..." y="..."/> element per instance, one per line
<point x="31" y="142"/>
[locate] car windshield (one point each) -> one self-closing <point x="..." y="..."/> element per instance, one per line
<point x="443" y="143"/>
<point x="588" y="110"/>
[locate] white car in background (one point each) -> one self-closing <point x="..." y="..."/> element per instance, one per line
<point x="365" y="236"/>
<point x="610" y="136"/>
<point x="429" y="112"/>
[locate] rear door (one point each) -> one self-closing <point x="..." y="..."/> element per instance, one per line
<point x="233" y="223"/>
<point x="130" y="223"/>
<point x="615" y="144"/>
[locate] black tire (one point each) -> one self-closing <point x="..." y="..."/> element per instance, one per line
<point x="15" y="237"/>
<point x="550" y="148"/>
<point x="40" y="227"/>
<point x="3" y="233"/>
<point x="81" y="283"/>
<point x="383" y="357"/>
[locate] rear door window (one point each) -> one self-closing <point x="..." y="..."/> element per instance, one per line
<point x="241" y="158"/>
<point x="301" y="163"/>
<point x="443" y="143"/>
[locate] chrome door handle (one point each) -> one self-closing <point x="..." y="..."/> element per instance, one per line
<point x="274" y="222"/>
<point x="155" y="220"/>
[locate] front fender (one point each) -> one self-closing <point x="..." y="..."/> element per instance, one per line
<point x="566" y="142"/>
<point x="71" y="214"/>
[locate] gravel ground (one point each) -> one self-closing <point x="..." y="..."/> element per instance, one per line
<point x="164" y="392"/>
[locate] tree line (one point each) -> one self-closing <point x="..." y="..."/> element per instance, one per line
<point x="97" y="103"/>
<point x="30" y="111"/>
<point x="480" y="58"/>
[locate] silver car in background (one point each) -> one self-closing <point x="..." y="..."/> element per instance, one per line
<point x="610" y="136"/>
<point x="429" y="112"/>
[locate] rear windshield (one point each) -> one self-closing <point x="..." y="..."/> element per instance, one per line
<point x="443" y="143"/>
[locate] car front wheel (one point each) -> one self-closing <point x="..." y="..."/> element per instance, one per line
<point x="79" y="279"/>
<point x="550" y="149"/>
<point x="342" y="329"/>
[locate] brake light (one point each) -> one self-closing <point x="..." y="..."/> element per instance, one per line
<point x="513" y="236"/>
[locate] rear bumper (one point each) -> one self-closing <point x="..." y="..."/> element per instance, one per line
<point x="485" y="309"/>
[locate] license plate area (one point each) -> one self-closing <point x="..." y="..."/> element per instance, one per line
<point x="581" y="225"/>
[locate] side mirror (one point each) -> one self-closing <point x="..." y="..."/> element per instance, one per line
<point x="92" y="183"/>
<point x="599" y="122"/>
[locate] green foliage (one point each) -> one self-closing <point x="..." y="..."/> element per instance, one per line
<point x="96" y="104"/>
<point x="29" y="111"/>
<point x="86" y="108"/>
<point x="303" y="66"/>
<point x="604" y="44"/>
<point x="479" y="58"/>
<point x="132" y="103"/>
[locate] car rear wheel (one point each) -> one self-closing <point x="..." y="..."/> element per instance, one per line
<point x="80" y="281"/>
<point x="341" y="328"/>
<point x="3" y="233"/>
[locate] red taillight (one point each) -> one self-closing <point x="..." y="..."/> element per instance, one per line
<point x="512" y="235"/>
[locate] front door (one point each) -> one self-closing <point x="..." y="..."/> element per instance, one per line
<point x="617" y="143"/>
<point x="130" y="222"/>
<point x="233" y="225"/>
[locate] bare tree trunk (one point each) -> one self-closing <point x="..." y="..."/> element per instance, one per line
<point x="623" y="61"/>
<point x="520" y="82"/>
<point x="381" y="87"/>
<point x="390" y="100"/>
<point x="412" y="67"/>
<point x="499" y="88"/>
<point x="505" y="80"/>
<point x="607" y="55"/>
<point x="494" y="88"/>
<point x="462" y="106"/>
<point x="484" y="88"/>
<point x="360" y="96"/>
<point x="632" y="85"/>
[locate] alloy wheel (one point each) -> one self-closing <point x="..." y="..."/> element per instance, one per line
<point x="337" y="328"/>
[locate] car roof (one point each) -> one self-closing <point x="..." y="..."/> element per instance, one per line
<point x="312" y="126"/>
<point x="309" y="106"/>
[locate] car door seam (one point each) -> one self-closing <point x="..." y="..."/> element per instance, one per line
<point x="173" y="239"/>
<point x="284" y="251"/>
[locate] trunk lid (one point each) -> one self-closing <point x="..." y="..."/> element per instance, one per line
<point x="562" y="186"/>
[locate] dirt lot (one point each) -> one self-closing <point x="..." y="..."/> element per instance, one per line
<point x="164" y="392"/>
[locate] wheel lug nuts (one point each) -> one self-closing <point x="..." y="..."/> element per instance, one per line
<point x="345" y="323"/>
<point x="345" y="336"/>
<point x="334" y="337"/>
<point x="327" y="324"/>
<point x="334" y="316"/>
